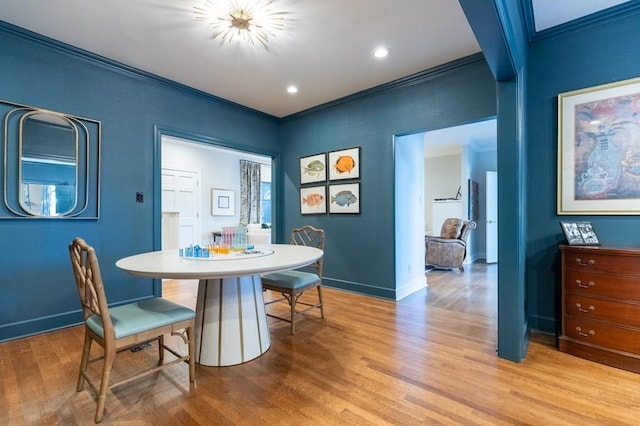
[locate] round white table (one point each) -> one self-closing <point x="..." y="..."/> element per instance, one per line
<point x="231" y="322"/>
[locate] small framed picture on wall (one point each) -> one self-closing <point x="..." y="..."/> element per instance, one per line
<point x="344" y="198"/>
<point x="223" y="202"/>
<point x="344" y="164"/>
<point x="313" y="168"/>
<point x="313" y="200"/>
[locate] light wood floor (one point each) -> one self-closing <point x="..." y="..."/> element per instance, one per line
<point x="428" y="359"/>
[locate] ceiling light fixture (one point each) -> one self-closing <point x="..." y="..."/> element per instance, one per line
<point x="381" y="52"/>
<point x="253" y="21"/>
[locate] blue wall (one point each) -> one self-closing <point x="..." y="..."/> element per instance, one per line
<point x="36" y="283"/>
<point x="360" y="249"/>
<point x="582" y="58"/>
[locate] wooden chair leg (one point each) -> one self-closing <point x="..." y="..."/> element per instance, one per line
<point x="293" y="313"/>
<point x="321" y="303"/>
<point x="86" y="351"/>
<point x="109" y="356"/>
<point x="161" y="348"/>
<point x="192" y="355"/>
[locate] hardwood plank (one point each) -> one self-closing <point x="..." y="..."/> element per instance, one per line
<point x="427" y="359"/>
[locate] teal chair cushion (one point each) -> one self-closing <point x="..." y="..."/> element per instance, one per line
<point x="140" y="316"/>
<point x="291" y="279"/>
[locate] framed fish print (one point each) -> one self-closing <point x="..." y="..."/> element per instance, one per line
<point x="313" y="200"/>
<point x="344" y="164"/>
<point x="599" y="150"/>
<point x="313" y="168"/>
<point x="344" y="198"/>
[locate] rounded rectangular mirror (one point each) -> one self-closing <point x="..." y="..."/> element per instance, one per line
<point x="48" y="164"/>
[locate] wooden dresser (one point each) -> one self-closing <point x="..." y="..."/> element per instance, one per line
<point x="601" y="305"/>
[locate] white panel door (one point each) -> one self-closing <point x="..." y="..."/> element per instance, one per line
<point x="181" y="193"/>
<point x="492" y="217"/>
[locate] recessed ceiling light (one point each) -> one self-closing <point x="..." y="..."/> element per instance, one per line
<point x="381" y="52"/>
<point x="292" y="89"/>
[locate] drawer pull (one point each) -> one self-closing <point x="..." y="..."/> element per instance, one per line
<point x="589" y="263"/>
<point x="589" y="333"/>
<point x="587" y="285"/>
<point x="591" y="308"/>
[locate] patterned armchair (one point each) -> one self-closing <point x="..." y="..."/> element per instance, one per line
<point x="449" y="250"/>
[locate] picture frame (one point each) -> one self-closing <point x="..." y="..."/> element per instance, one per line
<point x="599" y="150"/>
<point x="344" y="164"/>
<point x="579" y="233"/>
<point x="223" y="202"/>
<point x="313" y="168"/>
<point x="313" y="200"/>
<point x="344" y="198"/>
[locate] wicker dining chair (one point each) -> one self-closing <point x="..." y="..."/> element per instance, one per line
<point x="119" y="328"/>
<point x="291" y="284"/>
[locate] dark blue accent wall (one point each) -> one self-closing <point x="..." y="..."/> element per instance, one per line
<point x="599" y="54"/>
<point x="359" y="249"/>
<point x="36" y="283"/>
<point x="37" y="290"/>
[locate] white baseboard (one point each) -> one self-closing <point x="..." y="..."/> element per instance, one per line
<point x="411" y="287"/>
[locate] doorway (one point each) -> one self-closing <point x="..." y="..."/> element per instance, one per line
<point x="190" y="170"/>
<point x="458" y="154"/>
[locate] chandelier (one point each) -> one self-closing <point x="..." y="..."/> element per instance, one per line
<point x="253" y="21"/>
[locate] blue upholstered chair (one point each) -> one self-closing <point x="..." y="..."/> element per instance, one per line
<point x="119" y="328"/>
<point x="291" y="284"/>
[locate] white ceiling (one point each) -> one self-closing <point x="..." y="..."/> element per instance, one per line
<point x="326" y="51"/>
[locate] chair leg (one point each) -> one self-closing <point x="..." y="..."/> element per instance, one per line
<point x="161" y="348"/>
<point x="321" y="303"/>
<point x="86" y="351"/>
<point x="109" y="356"/>
<point x="192" y="355"/>
<point x="292" y="302"/>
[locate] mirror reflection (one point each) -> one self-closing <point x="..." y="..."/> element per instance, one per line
<point x="48" y="164"/>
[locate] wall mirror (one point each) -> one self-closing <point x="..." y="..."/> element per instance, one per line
<point x="51" y="164"/>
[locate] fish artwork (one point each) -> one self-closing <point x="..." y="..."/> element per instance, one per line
<point x="313" y="200"/>
<point x="314" y="168"/>
<point x="344" y="164"/>
<point x="344" y="198"/>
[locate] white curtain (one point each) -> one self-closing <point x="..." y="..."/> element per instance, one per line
<point x="249" y="192"/>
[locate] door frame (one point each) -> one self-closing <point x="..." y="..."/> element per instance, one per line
<point x="158" y="133"/>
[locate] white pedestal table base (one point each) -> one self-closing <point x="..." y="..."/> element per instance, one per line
<point x="231" y="322"/>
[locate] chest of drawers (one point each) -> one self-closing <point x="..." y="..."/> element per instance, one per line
<point x="601" y="305"/>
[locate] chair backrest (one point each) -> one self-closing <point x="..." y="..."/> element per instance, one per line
<point x="454" y="228"/>
<point x="311" y="237"/>
<point x="451" y="228"/>
<point x="89" y="283"/>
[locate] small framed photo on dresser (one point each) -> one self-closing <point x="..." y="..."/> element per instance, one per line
<point x="579" y="233"/>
